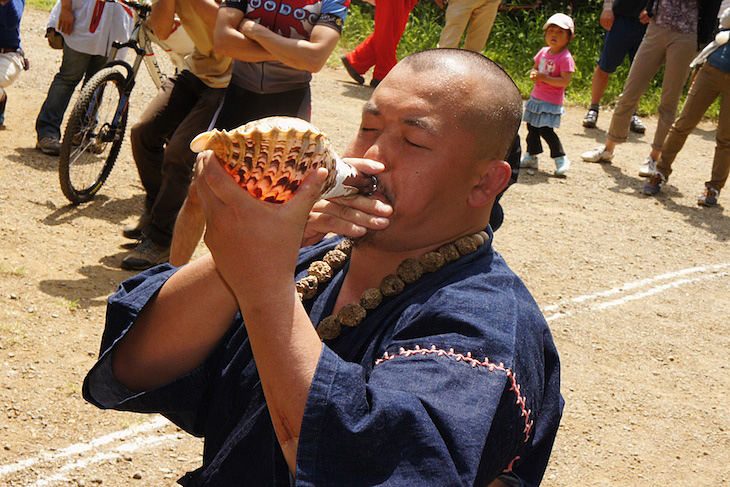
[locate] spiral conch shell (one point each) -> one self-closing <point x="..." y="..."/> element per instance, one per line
<point x="270" y="157"/>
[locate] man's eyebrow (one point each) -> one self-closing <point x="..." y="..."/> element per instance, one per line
<point x="421" y="123"/>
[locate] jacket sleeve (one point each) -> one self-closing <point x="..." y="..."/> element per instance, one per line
<point x="181" y="400"/>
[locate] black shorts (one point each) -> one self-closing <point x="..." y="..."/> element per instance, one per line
<point x="242" y="106"/>
<point x="622" y="40"/>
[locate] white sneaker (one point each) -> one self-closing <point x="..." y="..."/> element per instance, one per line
<point x="647" y="168"/>
<point x="528" y="161"/>
<point x="562" y="164"/>
<point x="599" y="154"/>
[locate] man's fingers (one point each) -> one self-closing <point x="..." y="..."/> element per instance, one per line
<point x="368" y="166"/>
<point x="371" y="214"/>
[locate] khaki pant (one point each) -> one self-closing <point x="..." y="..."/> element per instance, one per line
<point x="708" y="85"/>
<point x="11" y="65"/>
<point x="660" y="46"/>
<point x="479" y="14"/>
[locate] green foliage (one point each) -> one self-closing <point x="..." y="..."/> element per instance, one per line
<point x="46" y="5"/>
<point x="515" y="39"/>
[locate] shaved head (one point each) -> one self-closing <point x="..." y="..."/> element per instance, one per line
<point x="485" y="100"/>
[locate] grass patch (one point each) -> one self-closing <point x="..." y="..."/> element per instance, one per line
<point x="16" y="272"/>
<point x="46" y="5"/>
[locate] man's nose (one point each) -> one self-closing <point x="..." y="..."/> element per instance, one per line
<point x="378" y="151"/>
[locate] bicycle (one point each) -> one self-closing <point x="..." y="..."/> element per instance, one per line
<point x="95" y="129"/>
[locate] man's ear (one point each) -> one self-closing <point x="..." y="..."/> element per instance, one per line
<point x="494" y="179"/>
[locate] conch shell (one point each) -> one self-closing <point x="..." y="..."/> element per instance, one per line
<point x="270" y="157"/>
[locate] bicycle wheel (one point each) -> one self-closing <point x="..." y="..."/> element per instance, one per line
<point x="93" y="136"/>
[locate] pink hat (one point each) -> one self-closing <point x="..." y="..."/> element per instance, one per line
<point x="561" y="20"/>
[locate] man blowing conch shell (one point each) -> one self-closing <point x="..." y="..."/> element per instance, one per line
<point x="448" y="377"/>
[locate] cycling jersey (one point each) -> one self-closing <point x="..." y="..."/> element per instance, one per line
<point x="294" y="19"/>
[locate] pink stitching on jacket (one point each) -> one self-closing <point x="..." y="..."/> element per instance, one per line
<point x="514" y="386"/>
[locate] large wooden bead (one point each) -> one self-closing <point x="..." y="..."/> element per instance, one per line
<point x="351" y="315"/>
<point x="328" y="328"/>
<point x="335" y="258"/>
<point x="466" y="245"/>
<point x="449" y="252"/>
<point x="321" y="270"/>
<point x="307" y="287"/>
<point x="371" y="298"/>
<point x="432" y="261"/>
<point x="392" y="285"/>
<point x="344" y="246"/>
<point x="410" y="270"/>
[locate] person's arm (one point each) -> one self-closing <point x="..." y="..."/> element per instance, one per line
<point x="207" y="10"/>
<point x="66" y="17"/>
<point x="255" y="246"/>
<point x="162" y="18"/>
<point x="607" y="15"/>
<point x="307" y="55"/>
<point x="562" y="80"/>
<point x="177" y="329"/>
<point x="228" y="41"/>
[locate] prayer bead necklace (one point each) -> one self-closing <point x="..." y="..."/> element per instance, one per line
<point x="408" y="272"/>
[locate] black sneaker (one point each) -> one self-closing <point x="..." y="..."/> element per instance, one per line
<point x="637" y="126"/>
<point x="351" y="71"/>
<point x="134" y="232"/>
<point x="147" y="254"/>
<point x="589" y="121"/>
<point x="375" y="82"/>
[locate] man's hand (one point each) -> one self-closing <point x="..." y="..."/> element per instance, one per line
<point x="66" y="18"/>
<point x="351" y="216"/>
<point x="254" y="244"/>
<point x="607" y="19"/>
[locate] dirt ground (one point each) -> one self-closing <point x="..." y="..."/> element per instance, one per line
<point x="636" y="290"/>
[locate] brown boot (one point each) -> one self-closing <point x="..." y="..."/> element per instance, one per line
<point x="147" y="254"/>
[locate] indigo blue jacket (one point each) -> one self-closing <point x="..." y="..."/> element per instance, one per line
<point x="453" y="382"/>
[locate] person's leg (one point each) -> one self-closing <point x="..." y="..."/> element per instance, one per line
<point x="456" y="17"/>
<point x="681" y="49"/>
<point x="177" y="166"/>
<point x="389" y="26"/>
<point x="721" y="162"/>
<point x="706" y="87"/>
<point x="10" y="67"/>
<point x="553" y="141"/>
<point x="534" y="145"/>
<point x="649" y="59"/>
<point x="480" y="25"/>
<point x="73" y="67"/>
<point x="95" y="64"/>
<point x="363" y="56"/>
<point x="148" y="137"/>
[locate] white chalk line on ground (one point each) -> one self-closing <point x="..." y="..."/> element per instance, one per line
<point x="79" y="448"/>
<point x="136" y="444"/>
<point x="712" y="272"/>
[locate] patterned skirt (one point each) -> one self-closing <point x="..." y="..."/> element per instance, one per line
<point x="539" y="113"/>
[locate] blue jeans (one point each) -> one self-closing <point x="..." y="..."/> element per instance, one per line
<point x="74" y="66"/>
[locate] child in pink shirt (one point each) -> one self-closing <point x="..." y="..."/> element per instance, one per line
<point x="552" y="72"/>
